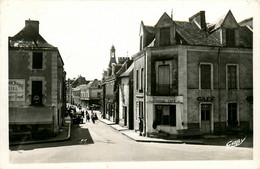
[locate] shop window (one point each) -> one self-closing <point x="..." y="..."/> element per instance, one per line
<point x="230" y="37"/>
<point x="166" y="115"/>
<point x="37" y="60"/>
<point x="205" y="76"/>
<point x="232" y="114"/>
<point x="164" y="36"/>
<point x="232" y="76"/>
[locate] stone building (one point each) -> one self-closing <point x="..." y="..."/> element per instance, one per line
<point x="36" y="83"/>
<point x="126" y="115"/>
<point x="91" y="93"/>
<point x="193" y="77"/>
<point x="110" y="87"/>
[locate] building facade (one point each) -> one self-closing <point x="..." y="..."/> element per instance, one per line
<point x="126" y="115"/>
<point x="110" y="86"/>
<point x="193" y="77"/>
<point x="36" y="82"/>
<point x="91" y="93"/>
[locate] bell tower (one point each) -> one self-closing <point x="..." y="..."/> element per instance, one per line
<point x="112" y="56"/>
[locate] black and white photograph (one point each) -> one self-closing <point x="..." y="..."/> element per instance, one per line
<point x="129" y="84"/>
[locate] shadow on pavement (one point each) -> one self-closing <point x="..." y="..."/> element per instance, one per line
<point x="79" y="136"/>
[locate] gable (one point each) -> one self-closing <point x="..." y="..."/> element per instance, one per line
<point x="141" y="32"/>
<point x="230" y="21"/>
<point x="164" y="21"/>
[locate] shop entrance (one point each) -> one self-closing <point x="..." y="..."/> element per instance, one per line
<point x="205" y="118"/>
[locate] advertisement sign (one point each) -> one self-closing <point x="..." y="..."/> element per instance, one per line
<point x="16" y="90"/>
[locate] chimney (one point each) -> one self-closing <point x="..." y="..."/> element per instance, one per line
<point x="34" y="24"/>
<point x="199" y="19"/>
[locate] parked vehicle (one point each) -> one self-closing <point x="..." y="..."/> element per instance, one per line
<point x="95" y="107"/>
<point x="77" y="118"/>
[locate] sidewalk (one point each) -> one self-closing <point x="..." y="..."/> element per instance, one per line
<point x="136" y="137"/>
<point x="63" y="134"/>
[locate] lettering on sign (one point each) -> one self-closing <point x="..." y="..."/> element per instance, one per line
<point x="16" y="90"/>
<point x="206" y="99"/>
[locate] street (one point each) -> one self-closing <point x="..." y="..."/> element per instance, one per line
<point x="105" y="144"/>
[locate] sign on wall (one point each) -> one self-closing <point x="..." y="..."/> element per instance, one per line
<point x="16" y="90"/>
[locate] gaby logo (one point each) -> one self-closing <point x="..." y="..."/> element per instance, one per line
<point x="236" y="142"/>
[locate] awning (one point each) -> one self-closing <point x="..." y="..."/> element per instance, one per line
<point x="32" y="115"/>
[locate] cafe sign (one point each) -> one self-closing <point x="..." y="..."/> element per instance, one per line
<point x="206" y="99"/>
<point x="16" y="90"/>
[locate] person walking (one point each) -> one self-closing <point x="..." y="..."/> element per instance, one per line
<point x="87" y="116"/>
<point x="93" y="117"/>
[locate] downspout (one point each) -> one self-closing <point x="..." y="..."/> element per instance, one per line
<point x="219" y="105"/>
<point x="145" y="88"/>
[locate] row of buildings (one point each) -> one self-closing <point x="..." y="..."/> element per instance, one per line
<point x="83" y="92"/>
<point x="36" y="83"/>
<point x="188" y="77"/>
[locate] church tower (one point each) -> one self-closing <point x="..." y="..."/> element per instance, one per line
<point x="112" y="56"/>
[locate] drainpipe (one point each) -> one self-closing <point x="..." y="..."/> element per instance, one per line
<point x="144" y="90"/>
<point x="219" y="106"/>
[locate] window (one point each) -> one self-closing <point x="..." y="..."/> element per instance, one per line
<point x="166" y="115"/>
<point x="230" y="37"/>
<point x="164" y="36"/>
<point x="36" y="99"/>
<point x="37" y="60"/>
<point x="205" y="76"/>
<point x="141" y="42"/>
<point x="232" y="114"/>
<point x="141" y="109"/>
<point x="232" y="76"/>
<point x="137" y="82"/>
<point x="142" y="79"/>
<point x="163" y="80"/>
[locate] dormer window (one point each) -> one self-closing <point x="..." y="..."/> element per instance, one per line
<point x="230" y="37"/>
<point x="164" y="36"/>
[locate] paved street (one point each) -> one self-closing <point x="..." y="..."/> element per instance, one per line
<point x="105" y="144"/>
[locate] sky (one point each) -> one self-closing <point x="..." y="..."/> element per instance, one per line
<point x="84" y="31"/>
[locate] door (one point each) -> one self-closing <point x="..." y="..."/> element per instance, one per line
<point x="232" y="115"/>
<point x="36" y="93"/>
<point x="205" y="118"/>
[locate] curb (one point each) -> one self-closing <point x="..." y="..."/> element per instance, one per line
<point x="106" y="123"/>
<point x="155" y="141"/>
<point x="44" y="141"/>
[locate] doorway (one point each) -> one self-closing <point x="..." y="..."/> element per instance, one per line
<point x="36" y="93"/>
<point x="125" y="116"/>
<point x="205" y="110"/>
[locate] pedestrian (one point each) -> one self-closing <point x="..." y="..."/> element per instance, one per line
<point x="87" y="116"/>
<point x="82" y="113"/>
<point x="93" y="117"/>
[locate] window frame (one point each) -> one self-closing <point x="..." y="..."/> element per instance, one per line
<point x="163" y="43"/>
<point x="237" y="76"/>
<point x="169" y="118"/>
<point x="211" y="74"/>
<point x="238" y="121"/>
<point x="233" y="42"/>
<point x="211" y="115"/>
<point x="42" y="59"/>
<point x="158" y="63"/>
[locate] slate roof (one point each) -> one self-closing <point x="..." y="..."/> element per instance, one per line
<point x="128" y="71"/>
<point x="150" y="29"/>
<point x="29" y="37"/>
<point x="193" y="35"/>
